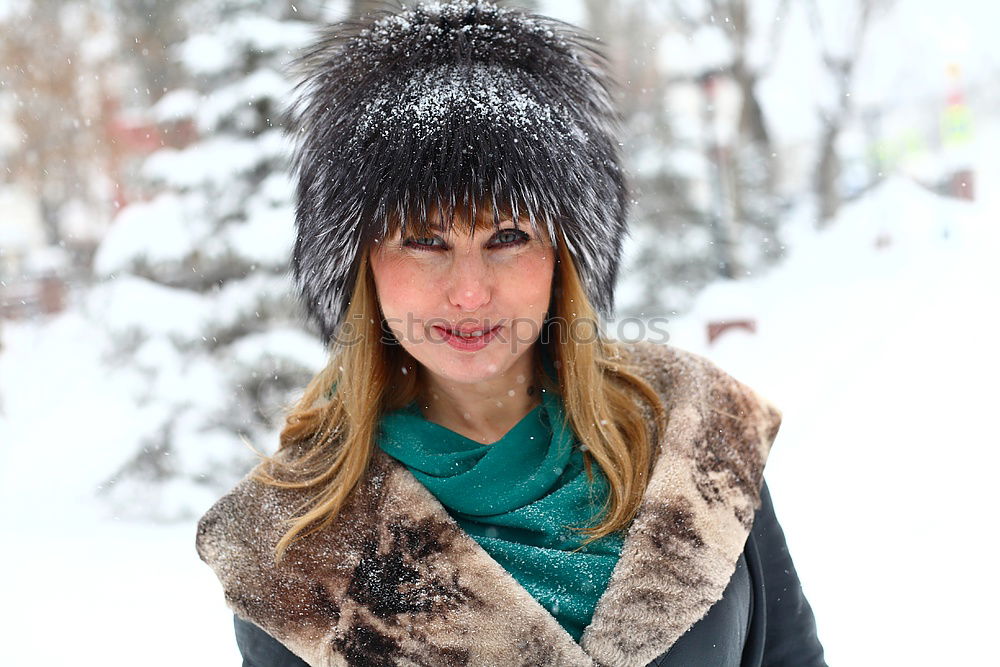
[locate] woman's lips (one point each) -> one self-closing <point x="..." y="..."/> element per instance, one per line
<point x="467" y="343"/>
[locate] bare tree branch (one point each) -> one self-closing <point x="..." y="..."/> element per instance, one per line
<point x="841" y="67"/>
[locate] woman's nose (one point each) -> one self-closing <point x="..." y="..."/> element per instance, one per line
<point x="470" y="284"/>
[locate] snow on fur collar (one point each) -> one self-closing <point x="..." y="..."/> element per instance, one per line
<point x="395" y="581"/>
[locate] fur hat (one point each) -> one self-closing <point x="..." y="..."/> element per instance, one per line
<point x="453" y="103"/>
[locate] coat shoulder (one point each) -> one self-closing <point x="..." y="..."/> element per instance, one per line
<point x="289" y="598"/>
<point x="238" y="534"/>
<point x="225" y="519"/>
<point x="252" y="514"/>
<point x="697" y="510"/>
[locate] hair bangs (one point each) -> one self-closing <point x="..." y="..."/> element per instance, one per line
<point x="443" y="214"/>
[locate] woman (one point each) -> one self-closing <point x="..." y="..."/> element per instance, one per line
<point x="480" y="476"/>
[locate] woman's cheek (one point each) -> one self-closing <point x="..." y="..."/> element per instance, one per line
<point x="398" y="278"/>
<point x="534" y="273"/>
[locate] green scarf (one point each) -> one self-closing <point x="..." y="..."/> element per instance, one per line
<point x="516" y="498"/>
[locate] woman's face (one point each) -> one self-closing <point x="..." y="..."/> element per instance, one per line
<point x="467" y="307"/>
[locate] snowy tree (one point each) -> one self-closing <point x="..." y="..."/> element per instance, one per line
<point x="149" y="29"/>
<point x="738" y="40"/>
<point x="660" y="271"/>
<point x="696" y="142"/>
<point x="56" y="63"/>
<point x="840" y="29"/>
<point x="198" y="301"/>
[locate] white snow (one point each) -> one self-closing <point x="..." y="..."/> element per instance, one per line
<point x="212" y="52"/>
<point x="206" y="54"/>
<point x="165" y="229"/>
<point x="178" y="104"/>
<point x="265" y="238"/>
<point x="133" y="304"/>
<point x="884" y="364"/>
<point x="278" y="345"/>
<point x="79" y="583"/>
<point x="22" y="228"/>
<point x="215" y="161"/>
<point x="226" y="101"/>
<point x="241" y="300"/>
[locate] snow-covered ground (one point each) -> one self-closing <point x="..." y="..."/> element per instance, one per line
<point x="883" y="473"/>
<point x="884" y="362"/>
<point x="81" y="586"/>
<point x="875" y="338"/>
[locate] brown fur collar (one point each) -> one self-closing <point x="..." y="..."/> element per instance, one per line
<point x="395" y="581"/>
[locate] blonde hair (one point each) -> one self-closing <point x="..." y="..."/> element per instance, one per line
<point x="329" y="435"/>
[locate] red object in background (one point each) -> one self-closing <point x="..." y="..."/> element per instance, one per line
<point x="719" y="327"/>
<point x="51" y="294"/>
<point x="38" y="296"/>
<point x="962" y="184"/>
<point x="133" y="138"/>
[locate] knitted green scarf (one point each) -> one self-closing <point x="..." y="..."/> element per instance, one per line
<point x="516" y="498"/>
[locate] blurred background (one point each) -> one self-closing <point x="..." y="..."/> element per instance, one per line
<point x="816" y="209"/>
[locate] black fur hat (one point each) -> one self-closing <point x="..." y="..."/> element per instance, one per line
<point x="445" y="104"/>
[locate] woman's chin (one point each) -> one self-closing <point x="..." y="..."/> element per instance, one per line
<point x="466" y="367"/>
<point x="468" y="370"/>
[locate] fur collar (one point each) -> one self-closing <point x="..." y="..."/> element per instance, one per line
<point x="395" y="581"/>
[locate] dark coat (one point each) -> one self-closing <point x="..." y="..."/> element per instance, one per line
<point x="762" y="619"/>
<point x="395" y="581"/>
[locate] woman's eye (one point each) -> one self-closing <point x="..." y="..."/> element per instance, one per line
<point x="424" y="242"/>
<point x="503" y="239"/>
<point x="509" y="237"/>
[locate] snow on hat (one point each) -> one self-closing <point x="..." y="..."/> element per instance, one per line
<point x="445" y="104"/>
